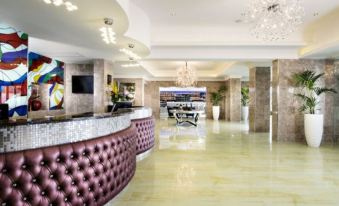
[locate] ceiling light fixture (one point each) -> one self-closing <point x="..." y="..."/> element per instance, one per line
<point x="69" y="5"/>
<point x="130" y="53"/>
<point x="107" y="33"/>
<point x="186" y="76"/>
<point x="130" y="65"/>
<point x="274" y="19"/>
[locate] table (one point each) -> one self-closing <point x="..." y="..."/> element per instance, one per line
<point x="179" y="113"/>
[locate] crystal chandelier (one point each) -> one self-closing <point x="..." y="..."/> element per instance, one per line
<point x="186" y="77"/>
<point x="274" y="19"/>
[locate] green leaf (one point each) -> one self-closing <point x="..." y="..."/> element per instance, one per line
<point x="321" y="90"/>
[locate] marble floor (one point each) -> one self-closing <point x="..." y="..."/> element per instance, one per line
<point x="220" y="163"/>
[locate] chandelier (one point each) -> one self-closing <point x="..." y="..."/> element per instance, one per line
<point x="186" y="77"/>
<point x="274" y="19"/>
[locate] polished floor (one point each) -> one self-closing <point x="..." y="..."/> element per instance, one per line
<point x="220" y="163"/>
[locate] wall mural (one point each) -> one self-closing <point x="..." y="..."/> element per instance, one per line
<point x="44" y="70"/>
<point x="13" y="70"/>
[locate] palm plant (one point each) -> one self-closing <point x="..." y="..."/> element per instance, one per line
<point x="216" y="97"/>
<point x="245" y="97"/>
<point x="310" y="91"/>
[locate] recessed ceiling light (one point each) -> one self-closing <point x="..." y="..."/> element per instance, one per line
<point x="130" y="65"/>
<point x="69" y="5"/>
<point x="130" y="54"/>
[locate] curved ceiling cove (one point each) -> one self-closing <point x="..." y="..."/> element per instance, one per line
<point x="76" y="29"/>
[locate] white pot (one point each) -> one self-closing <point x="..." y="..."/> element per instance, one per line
<point x="216" y="112"/>
<point x="244" y="113"/>
<point x="314" y="126"/>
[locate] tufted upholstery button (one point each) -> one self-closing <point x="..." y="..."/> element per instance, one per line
<point x="24" y="166"/>
<point x="66" y="199"/>
<point x="58" y="188"/>
<point x="42" y="163"/>
<point x="4" y="171"/>
<point x="73" y="183"/>
<point x="51" y="176"/>
<point x="43" y="193"/>
<point x="66" y="172"/>
<point x="58" y="160"/>
<point x="78" y="194"/>
<point x="14" y="185"/>
<point x="72" y="156"/>
<point x="84" y="179"/>
<point x="4" y="204"/>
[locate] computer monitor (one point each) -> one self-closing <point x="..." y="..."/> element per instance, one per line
<point x="121" y="105"/>
<point x="3" y="111"/>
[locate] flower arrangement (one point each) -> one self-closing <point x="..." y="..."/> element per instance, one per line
<point x="115" y="97"/>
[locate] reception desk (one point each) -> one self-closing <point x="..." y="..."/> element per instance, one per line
<point x="82" y="159"/>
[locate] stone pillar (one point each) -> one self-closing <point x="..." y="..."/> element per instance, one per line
<point x="101" y="69"/>
<point x="287" y="121"/>
<point x="259" y="106"/>
<point x="233" y="99"/>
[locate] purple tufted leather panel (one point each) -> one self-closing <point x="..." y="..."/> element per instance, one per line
<point x="90" y="172"/>
<point x="145" y="135"/>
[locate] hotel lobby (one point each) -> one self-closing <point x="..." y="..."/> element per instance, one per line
<point x="148" y="102"/>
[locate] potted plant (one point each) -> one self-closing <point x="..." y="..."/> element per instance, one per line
<point x="216" y="97"/>
<point x="308" y="82"/>
<point x="244" y="102"/>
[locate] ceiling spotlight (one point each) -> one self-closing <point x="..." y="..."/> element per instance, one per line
<point x="130" y="54"/>
<point x="108" y="21"/>
<point x="70" y="6"/>
<point x="131" y="46"/>
<point x="48" y="1"/>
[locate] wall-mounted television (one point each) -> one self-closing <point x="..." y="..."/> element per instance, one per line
<point x="82" y="84"/>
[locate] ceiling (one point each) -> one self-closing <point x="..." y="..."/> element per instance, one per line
<point x="207" y="34"/>
<point x="213" y="13"/>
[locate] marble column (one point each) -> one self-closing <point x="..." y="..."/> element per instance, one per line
<point x="101" y="69"/>
<point x="287" y="121"/>
<point x="233" y="99"/>
<point x="259" y="106"/>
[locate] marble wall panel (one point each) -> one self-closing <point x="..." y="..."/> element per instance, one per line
<point x="287" y="121"/>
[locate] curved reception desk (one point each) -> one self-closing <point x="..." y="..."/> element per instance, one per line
<point x="71" y="160"/>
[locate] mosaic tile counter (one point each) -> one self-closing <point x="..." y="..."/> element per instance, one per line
<point x="30" y="134"/>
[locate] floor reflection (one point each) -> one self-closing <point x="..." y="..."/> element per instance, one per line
<point x="183" y="137"/>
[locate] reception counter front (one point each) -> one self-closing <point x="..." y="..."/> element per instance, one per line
<point x="72" y="160"/>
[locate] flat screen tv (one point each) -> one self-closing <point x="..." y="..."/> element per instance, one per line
<point x="82" y="84"/>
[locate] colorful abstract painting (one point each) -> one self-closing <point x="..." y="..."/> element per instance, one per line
<point x="13" y="70"/>
<point x="44" y="70"/>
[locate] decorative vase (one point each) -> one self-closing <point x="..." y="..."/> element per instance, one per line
<point x="314" y="126"/>
<point x="36" y="105"/>
<point x="244" y="113"/>
<point x="216" y="112"/>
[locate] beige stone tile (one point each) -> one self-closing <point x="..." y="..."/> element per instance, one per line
<point x="230" y="166"/>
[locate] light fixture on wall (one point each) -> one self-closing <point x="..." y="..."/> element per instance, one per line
<point x="130" y="53"/>
<point x="186" y="76"/>
<point x="69" y="5"/>
<point x="107" y="33"/>
<point x="274" y="19"/>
